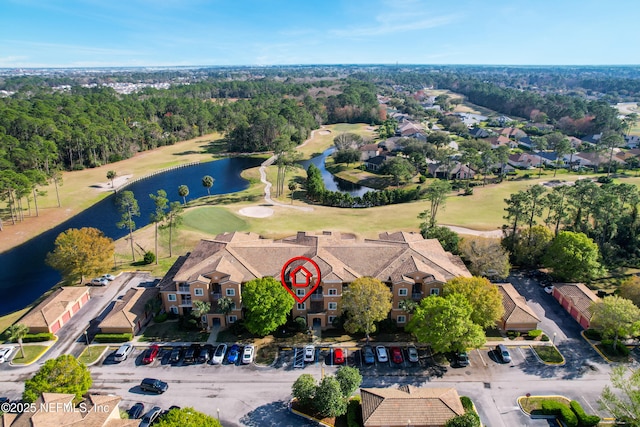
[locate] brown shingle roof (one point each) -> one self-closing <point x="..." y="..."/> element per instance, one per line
<point x="49" y="310"/>
<point x="127" y="309"/>
<point x="396" y="406"/>
<point x="580" y="296"/>
<point x="515" y="306"/>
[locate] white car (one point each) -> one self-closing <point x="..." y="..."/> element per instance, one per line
<point x="218" y="356"/>
<point x="123" y="352"/>
<point x="109" y="277"/>
<point x="98" y="281"/>
<point x="413" y="354"/>
<point x="548" y="289"/>
<point x="247" y="354"/>
<point x="5" y="353"/>
<point x="381" y="353"/>
<point x="309" y="353"/>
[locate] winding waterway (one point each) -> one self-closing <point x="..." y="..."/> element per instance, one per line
<point x="23" y="274"/>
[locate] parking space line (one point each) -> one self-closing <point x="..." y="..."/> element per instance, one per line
<point x="589" y="404"/>
<point x="482" y="358"/>
<point x="523" y="356"/>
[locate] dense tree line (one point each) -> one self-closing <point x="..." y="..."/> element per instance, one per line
<point x="607" y="213"/>
<point x="317" y="192"/>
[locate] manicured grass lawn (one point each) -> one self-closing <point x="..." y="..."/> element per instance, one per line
<point x="91" y="354"/>
<point x="549" y="354"/>
<point x="11" y="318"/>
<point x="534" y="403"/>
<point x="171" y="332"/>
<point x="31" y="353"/>
<point x="322" y="140"/>
<point x="213" y="220"/>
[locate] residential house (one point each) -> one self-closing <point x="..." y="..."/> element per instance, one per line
<point x="129" y="313"/>
<point x="544" y="127"/>
<point x="454" y="170"/>
<point x="410" y="130"/>
<point x="478" y="133"/>
<point x="408" y="405"/>
<point x="55" y="311"/>
<point x="58" y="409"/>
<point x="391" y="144"/>
<point x="368" y="151"/>
<point x="592" y="139"/>
<point x="526" y="142"/>
<point x="525" y="160"/>
<point x="503" y="120"/>
<point x="550" y="158"/>
<point x="470" y="119"/>
<point x="501" y="140"/>
<point x="513" y="133"/>
<point x="593" y="159"/>
<point x="411" y="266"/>
<point x="575" y="142"/>
<point x="518" y="316"/>
<point x="576" y="298"/>
<point x="375" y="163"/>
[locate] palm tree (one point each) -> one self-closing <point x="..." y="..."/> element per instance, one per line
<point x="16" y="332"/>
<point x="207" y="182"/>
<point x="225" y="305"/>
<point x="292" y="188"/>
<point x="183" y="191"/>
<point x="200" y="308"/>
<point x="111" y="176"/>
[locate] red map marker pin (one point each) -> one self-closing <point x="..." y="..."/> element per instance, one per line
<point x="300" y="277"/>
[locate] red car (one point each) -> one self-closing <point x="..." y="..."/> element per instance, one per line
<point x="338" y="356"/>
<point x="150" y="354"/>
<point x="396" y="355"/>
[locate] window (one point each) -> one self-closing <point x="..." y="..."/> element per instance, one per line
<point x="171" y="297"/>
<point x="173" y="309"/>
<point x="232" y="319"/>
<point x="198" y="292"/>
<point x="300" y="292"/>
<point x="402" y="319"/>
<point x="331" y="319"/>
<point x="333" y="306"/>
<point x="301" y="306"/>
<point x="333" y="291"/>
<point x="230" y="292"/>
<point x="434" y="291"/>
<point x="403" y="292"/>
<point x="204" y="319"/>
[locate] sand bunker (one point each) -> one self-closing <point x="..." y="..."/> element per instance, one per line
<point x="256" y="212"/>
<point x="324" y="132"/>
<point x="117" y="182"/>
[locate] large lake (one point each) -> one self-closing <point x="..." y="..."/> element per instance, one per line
<point x="23" y="274"/>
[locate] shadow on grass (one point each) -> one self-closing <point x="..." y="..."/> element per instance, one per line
<point x="274" y="414"/>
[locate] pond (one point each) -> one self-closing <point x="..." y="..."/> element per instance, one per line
<point x="24" y="277"/>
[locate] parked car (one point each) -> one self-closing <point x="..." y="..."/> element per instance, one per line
<point x="123" y="352"/>
<point x="247" y="354"/>
<point x="461" y="359"/>
<point x="381" y="353"/>
<point x="98" y="281"/>
<point x="5" y="353"/>
<point x="396" y="355"/>
<point x="232" y="356"/>
<point x="136" y="411"/>
<point x="154" y="385"/>
<point x="412" y="352"/>
<point x="175" y="355"/>
<point x="503" y="353"/>
<point x="309" y="353"/>
<point x="218" y="356"/>
<point x="203" y="355"/>
<point x="109" y="277"/>
<point x="150" y="354"/>
<point x="151" y="416"/>
<point x="548" y="289"/>
<point x="172" y="407"/>
<point x="338" y="356"/>
<point x="191" y="353"/>
<point x="367" y="355"/>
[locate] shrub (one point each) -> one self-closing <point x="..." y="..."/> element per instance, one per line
<point x="354" y="413"/>
<point x="161" y="317"/>
<point x="149" y="257"/>
<point x="605" y="180"/>
<point x="620" y="350"/>
<point x="584" y="420"/>
<point x="300" y="323"/>
<point x="468" y="191"/>
<point x="113" y="338"/>
<point x="189" y="323"/>
<point x="467" y="404"/>
<point x="566" y="415"/>
<point x="422" y="179"/>
<point x="44" y="336"/>
<point x="513" y="334"/>
<point x="238" y="328"/>
<point x="593" y="334"/>
<point x="544" y="338"/>
<point x="534" y="333"/>
<point x="387" y="326"/>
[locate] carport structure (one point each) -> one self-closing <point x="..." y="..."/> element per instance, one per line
<point x="55" y="311"/>
<point x="576" y="298"/>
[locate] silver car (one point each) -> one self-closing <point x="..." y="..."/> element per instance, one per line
<point x="413" y="354"/>
<point x="218" y="356"/>
<point x="123" y="352"/>
<point x="5" y="353"/>
<point x="381" y="353"/>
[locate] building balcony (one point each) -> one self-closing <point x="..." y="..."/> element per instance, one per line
<point x="416" y="296"/>
<point x="315" y="307"/>
<point x="317" y="297"/>
<point x="184" y="290"/>
<point x="216" y="295"/>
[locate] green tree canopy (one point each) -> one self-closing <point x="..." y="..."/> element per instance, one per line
<point x="16" y="332"/>
<point x="485" y="256"/>
<point x="62" y="375"/>
<point x="207" y="182"/>
<point x="328" y="400"/>
<point x="530" y="245"/>
<point x="573" y="257"/>
<point x="267" y="304"/>
<point x="304" y="389"/>
<point x="483" y="296"/>
<point x="630" y="289"/>
<point x="445" y="323"/>
<point x="615" y="317"/>
<point x="399" y="168"/>
<point x="470" y="419"/>
<point x="128" y="206"/>
<point x="349" y="379"/>
<point x="365" y="301"/>
<point x="160" y="201"/>
<point x="186" y="417"/>
<point x="183" y="191"/>
<point x="624" y="402"/>
<point x="200" y="308"/>
<point x="78" y="253"/>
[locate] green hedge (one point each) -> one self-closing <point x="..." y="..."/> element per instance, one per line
<point x="593" y="334"/>
<point x="620" y="350"/>
<point x="534" y="333"/>
<point x="354" y="415"/>
<point x="467" y="404"/>
<point x="551" y="407"/>
<point x="584" y="420"/>
<point x="111" y="338"/>
<point x="44" y="336"/>
<point x="161" y="318"/>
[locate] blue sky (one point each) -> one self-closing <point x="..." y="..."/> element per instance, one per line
<point x="94" y="33"/>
